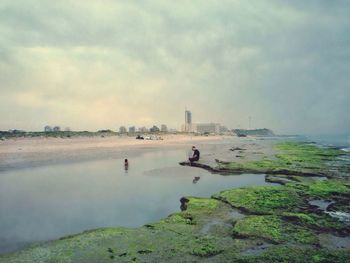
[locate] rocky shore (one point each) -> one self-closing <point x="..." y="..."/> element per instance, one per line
<point x="302" y="217"/>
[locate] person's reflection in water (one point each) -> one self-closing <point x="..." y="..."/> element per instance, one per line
<point x="196" y="179"/>
<point x="126" y="165"/>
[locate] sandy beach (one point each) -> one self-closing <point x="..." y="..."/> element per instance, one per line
<point x="24" y="152"/>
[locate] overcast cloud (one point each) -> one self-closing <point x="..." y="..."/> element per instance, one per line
<point x="99" y="64"/>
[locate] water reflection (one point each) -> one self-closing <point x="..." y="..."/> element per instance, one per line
<point x="49" y="202"/>
<point x="195" y="179"/>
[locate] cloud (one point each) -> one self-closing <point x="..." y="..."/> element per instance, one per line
<point x="102" y="64"/>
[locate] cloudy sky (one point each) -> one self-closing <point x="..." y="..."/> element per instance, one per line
<point x="100" y="64"/>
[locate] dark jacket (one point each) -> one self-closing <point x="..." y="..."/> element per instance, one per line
<point x="196" y="154"/>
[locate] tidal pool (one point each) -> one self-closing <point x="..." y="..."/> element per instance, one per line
<point x="48" y="202"/>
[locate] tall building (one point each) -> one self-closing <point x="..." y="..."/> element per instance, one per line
<point x="154" y="129"/>
<point x="143" y="129"/>
<point x="188" y="121"/>
<point x="132" y="129"/>
<point x="163" y="128"/>
<point x="48" y="128"/>
<point x="122" y="129"/>
<point x="56" y="129"/>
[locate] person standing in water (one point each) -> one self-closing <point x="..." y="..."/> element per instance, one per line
<point x="195" y="156"/>
<point x="126" y="164"/>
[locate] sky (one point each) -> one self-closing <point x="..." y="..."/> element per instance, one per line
<point x="100" y="64"/>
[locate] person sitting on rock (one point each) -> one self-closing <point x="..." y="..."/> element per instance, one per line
<point x="195" y="156"/>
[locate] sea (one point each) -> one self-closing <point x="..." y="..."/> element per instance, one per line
<point x="341" y="141"/>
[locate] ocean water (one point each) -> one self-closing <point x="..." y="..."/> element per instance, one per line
<point x="48" y="202"/>
<point x="341" y="141"/>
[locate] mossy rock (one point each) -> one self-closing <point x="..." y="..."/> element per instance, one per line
<point x="262" y="200"/>
<point x="274" y="229"/>
<point x="342" y="206"/>
<point x="205" y="247"/>
<point x="292" y="158"/>
<point x="320" y="222"/>
<point x="207" y="204"/>
<point x="328" y="188"/>
<point x="179" y="218"/>
<point x="297" y="254"/>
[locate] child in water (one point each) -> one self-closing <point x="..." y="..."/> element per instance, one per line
<point x="126" y="164"/>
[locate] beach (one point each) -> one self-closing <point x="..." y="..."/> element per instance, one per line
<point x="29" y="152"/>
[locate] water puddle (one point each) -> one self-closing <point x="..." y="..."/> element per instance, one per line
<point x="220" y="224"/>
<point x="341" y="216"/>
<point x="321" y="204"/>
<point x="215" y="225"/>
<point x="235" y="215"/>
<point x="334" y="242"/>
<point x="324" y="204"/>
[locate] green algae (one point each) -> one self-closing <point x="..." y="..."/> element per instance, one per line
<point x="262" y="199"/>
<point x="328" y="188"/>
<point x="206" y="247"/>
<point x="274" y="229"/>
<point x="196" y="203"/>
<point x="320" y="222"/>
<point x="179" y="218"/>
<point x="292" y="157"/>
<point x="297" y="254"/>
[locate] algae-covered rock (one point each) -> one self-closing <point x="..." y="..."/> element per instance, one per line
<point x="328" y="188"/>
<point x="292" y="158"/>
<point x="205" y="247"/>
<point x="297" y="254"/>
<point x="274" y="229"/>
<point x="262" y="200"/>
<point x="320" y="222"/>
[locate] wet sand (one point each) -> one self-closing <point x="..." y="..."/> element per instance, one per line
<point x="30" y="152"/>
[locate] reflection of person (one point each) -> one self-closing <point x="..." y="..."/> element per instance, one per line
<point x="196" y="179"/>
<point x="126" y="164"/>
<point x="195" y="156"/>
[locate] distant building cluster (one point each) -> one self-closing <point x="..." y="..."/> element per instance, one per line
<point x="154" y="129"/>
<point x="48" y="128"/>
<point x="187" y="127"/>
<point x="202" y="128"/>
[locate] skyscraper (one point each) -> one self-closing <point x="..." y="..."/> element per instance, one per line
<point x="188" y="121"/>
<point x="163" y="128"/>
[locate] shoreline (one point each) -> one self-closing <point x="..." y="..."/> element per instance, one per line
<point x="32" y="152"/>
<point x="300" y="218"/>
